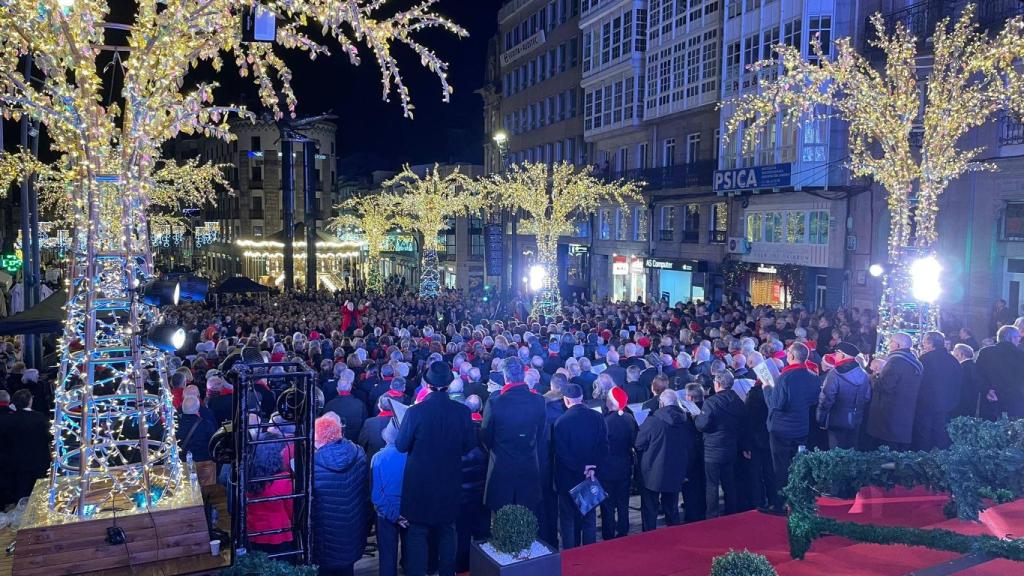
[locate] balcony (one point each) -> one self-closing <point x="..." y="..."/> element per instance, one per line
<point x="718" y="236"/>
<point x="1011" y="130"/>
<point x="919" y="18"/>
<point x="664" y="235"/>
<point x="679" y="176"/>
<point x="254" y="183"/>
<point x="994" y="13"/>
<point x="256" y="214"/>
<point x="691" y="236"/>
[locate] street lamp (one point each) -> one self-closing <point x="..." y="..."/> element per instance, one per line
<point x="500" y="138"/>
<point x="876" y="270"/>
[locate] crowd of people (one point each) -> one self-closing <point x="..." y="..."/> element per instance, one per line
<point x="699" y="409"/>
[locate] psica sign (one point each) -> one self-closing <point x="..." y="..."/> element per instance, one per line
<point x="773" y="176"/>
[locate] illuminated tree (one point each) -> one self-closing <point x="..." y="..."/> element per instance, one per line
<point x="375" y="218"/>
<point x="428" y="204"/>
<point x="109" y="142"/>
<point x="553" y="200"/>
<point x="972" y="77"/>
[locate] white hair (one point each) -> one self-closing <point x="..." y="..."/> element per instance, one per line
<point x="345" y="380"/>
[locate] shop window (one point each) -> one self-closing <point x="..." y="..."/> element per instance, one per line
<point x="1013" y="222"/>
<point x="796" y="227"/>
<point x="818" y="228"/>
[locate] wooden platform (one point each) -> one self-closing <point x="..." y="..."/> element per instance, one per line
<point x="167" y="542"/>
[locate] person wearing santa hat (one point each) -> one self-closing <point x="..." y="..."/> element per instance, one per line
<point x="616" y="475"/>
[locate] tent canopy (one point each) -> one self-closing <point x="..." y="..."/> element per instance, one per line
<point x="46" y="317"/>
<point x="240" y="285"/>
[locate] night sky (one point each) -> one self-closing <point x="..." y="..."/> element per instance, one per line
<point x="376" y="129"/>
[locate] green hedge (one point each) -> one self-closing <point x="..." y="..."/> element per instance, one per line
<point x="259" y="564"/>
<point x="985" y="461"/>
<point x="744" y="563"/>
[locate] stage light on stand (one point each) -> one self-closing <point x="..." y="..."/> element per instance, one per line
<point x="876" y="270"/>
<point x="166" y="337"/>
<point x="162" y="293"/>
<point x="924" y="276"/>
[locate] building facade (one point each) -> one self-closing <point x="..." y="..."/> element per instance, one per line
<point x="254" y="211"/>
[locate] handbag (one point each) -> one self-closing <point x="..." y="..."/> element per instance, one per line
<point x="587" y="495"/>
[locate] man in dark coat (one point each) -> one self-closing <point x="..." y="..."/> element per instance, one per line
<point x="844" y="396"/>
<point x="616" y="474"/>
<point x="26" y="433"/>
<point x="762" y="477"/>
<point x="938" y="395"/>
<point x="586" y="378"/>
<point x="614" y="370"/>
<point x="554" y="360"/>
<point x="350" y="409"/>
<point x="193" y="431"/>
<point x="636" y="391"/>
<point x="658" y="385"/>
<point x="435" y="434"/>
<point x="580" y="442"/>
<point x="722" y="421"/>
<point x="554" y="407"/>
<point x="371" y="436"/>
<point x="791" y="402"/>
<point x="894" y="396"/>
<point x="971" y="397"/>
<point x="512" y="429"/>
<point x="473" y="522"/>
<point x="663" y="443"/>
<point x="999" y="370"/>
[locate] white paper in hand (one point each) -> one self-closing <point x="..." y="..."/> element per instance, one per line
<point x="689" y="407"/>
<point x="641" y="415"/>
<point x="399" y="410"/>
<point x="742" y="387"/>
<point x="764" y="374"/>
<point x="635" y="407"/>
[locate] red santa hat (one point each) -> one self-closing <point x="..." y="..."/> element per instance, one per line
<point x="620" y="398"/>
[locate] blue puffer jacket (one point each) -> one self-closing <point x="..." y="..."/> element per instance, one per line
<point x="340" y="496"/>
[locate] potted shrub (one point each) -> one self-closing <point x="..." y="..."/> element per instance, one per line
<point x="514" y="549"/>
<point x="744" y="563"/>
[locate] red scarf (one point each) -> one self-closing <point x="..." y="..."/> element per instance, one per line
<point x="344" y="393"/>
<point x="512" y="385"/>
<point x="386" y="413"/>
<point x="845" y="361"/>
<point x="477" y="417"/>
<point x="395" y="394"/>
<point x="792" y="367"/>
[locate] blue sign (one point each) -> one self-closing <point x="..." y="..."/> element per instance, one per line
<point x="494" y="240"/>
<point x="771" y="176"/>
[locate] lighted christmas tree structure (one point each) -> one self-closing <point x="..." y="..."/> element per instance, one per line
<point x="972" y="77"/>
<point x="553" y="200"/>
<point x="112" y="391"/>
<point x="374" y="217"/>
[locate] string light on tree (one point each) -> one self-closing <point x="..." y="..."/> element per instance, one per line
<point x="553" y="200"/>
<point x="375" y="218"/>
<point x="973" y="76"/>
<point x="427" y="204"/>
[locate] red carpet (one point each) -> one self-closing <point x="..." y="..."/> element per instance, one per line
<point x="688" y="550"/>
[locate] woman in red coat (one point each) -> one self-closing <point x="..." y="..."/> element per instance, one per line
<point x="351" y="317"/>
<point x="274" y="515"/>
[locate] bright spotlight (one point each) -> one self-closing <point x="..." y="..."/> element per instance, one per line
<point x="537" y="276"/>
<point x="924" y="276"/>
<point x="876" y="270"/>
<point x="500" y="137"/>
<point x="166" y="337"/>
<point x="162" y="293"/>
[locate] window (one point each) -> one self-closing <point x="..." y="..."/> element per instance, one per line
<point x="719" y="222"/>
<point x="732" y="67"/>
<point x="796" y="227"/>
<point x="604" y="223"/>
<point x="735" y="8"/>
<point x="820" y="28"/>
<point x="773" y="227"/>
<point x="691" y="223"/>
<point x="751" y="45"/>
<point x="709" y="76"/>
<point x="692" y="147"/>
<point x="257" y="231"/>
<point x="814" y="141"/>
<point x="718" y="143"/>
<point x="754" y="230"/>
<point x="620" y="224"/>
<point x="769" y="41"/>
<point x="255" y="145"/>
<point x="641" y="159"/>
<point x="476" y="245"/>
<point x="639" y="224"/>
<point x="256" y="175"/>
<point x="616" y="38"/>
<point x="256" y="211"/>
<point x="449" y="245"/>
<point x="622" y="160"/>
<point x="818" y="229"/>
<point x="606" y="43"/>
<point x="641" y="30"/>
<point x="668" y="152"/>
<point x="791" y="34"/>
<point x="667" y="224"/>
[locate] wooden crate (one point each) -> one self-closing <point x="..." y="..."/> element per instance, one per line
<point x="80" y="546"/>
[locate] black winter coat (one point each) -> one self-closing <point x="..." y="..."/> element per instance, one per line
<point x="352" y="412"/>
<point x="199" y="441"/>
<point x="664" y="443"/>
<point x="757" y="419"/>
<point x="1001" y="368"/>
<point x="894" y="398"/>
<point x="512" y="429"/>
<point x="341" y="486"/>
<point x="435" y="434"/>
<point x="371" y="436"/>
<point x="941" y="381"/>
<point x="622" y="431"/>
<point x="723" y="421"/>
<point x="26" y="437"/>
<point x="579" y="439"/>
<point x="474" y="474"/>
